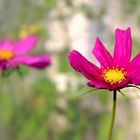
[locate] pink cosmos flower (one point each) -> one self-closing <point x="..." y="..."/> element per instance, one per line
<point x="115" y="71"/>
<point x="14" y="54"/>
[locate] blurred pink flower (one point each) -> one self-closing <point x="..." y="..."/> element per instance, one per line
<point x="115" y="71"/>
<point x="13" y="54"/>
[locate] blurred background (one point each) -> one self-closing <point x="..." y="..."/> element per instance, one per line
<point x="46" y="104"/>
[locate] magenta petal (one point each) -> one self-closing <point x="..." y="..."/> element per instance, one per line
<point x="3" y="65"/>
<point x="25" y="45"/>
<point x="104" y="85"/>
<point x="102" y="55"/>
<point x="97" y="84"/>
<point x="134" y="66"/>
<point x="135" y="80"/>
<point x="123" y="47"/>
<point x="7" y="64"/>
<point x="6" y="44"/>
<point x="135" y="77"/>
<point x="82" y="65"/>
<point x="39" y="61"/>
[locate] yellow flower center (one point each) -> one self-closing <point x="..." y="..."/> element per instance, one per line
<point x="6" y="54"/>
<point x="114" y="75"/>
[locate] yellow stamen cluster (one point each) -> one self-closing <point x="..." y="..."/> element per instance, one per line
<point x="6" y="54"/>
<point x="114" y="75"/>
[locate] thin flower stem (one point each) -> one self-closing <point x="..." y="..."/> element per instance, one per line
<point x="113" y="115"/>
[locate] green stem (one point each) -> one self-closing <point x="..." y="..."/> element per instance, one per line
<point x="113" y="115"/>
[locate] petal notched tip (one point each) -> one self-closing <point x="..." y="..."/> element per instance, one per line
<point x="123" y="47"/>
<point x="25" y="45"/>
<point x="82" y="65"/>
<point x="102" y="54"/>
<point x="128" y="30"/>
<point x="75" y="60"/>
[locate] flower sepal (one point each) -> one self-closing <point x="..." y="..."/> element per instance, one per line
<point x="88" y="90"/>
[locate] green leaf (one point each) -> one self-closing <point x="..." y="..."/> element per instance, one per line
<point x="87" y="90"/>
